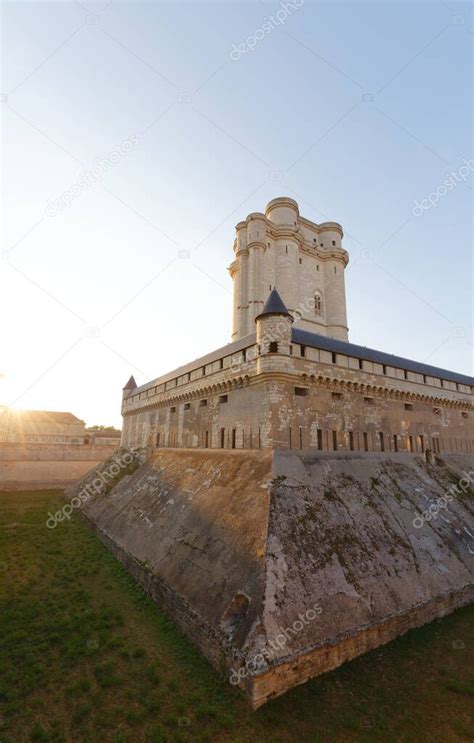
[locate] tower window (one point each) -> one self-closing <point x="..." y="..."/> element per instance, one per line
<point x="335" y="269"/>
<point x="187" y="405"/>
<point x="318" y="304"/>
<point x="334" y="358"/>
<point x="202" y="403"/>
<point x="303" y="351"/>
<point x="317" y="266"/>
<point x="301" y="391"/>
<point x="223" y="398"/>
<point x="273" y="347"/>
<point x="408" y="406"/>
<point x="337" y="395"/>
<point x="333" y="242"/>
<point x="361" y="366"/>
<point x="301" y="261"/>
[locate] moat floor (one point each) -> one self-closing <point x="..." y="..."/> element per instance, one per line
<point x="86" y="656"/>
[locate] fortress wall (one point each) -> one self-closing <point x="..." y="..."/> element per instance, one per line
<point x="347" y="410"/>
<point x="46" y="466"/>
<point x="191" y="528"/>
<point x="237" y="545"/>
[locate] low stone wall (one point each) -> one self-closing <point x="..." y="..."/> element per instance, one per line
<point x="46" y="466"/>
<point x="237" y="546"/>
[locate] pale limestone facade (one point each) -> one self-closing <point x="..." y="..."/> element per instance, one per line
<point x="283" y="385"/>
<point x="304" y="261"/>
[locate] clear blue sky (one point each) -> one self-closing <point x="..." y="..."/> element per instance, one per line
<point x="356" y="110"/>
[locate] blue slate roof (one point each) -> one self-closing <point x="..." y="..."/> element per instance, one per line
<point x="314" y="340"/>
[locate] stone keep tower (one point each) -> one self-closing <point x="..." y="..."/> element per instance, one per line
<point x="304" y="261"/>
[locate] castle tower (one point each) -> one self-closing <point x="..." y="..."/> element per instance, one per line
<point x="304" y="261"/>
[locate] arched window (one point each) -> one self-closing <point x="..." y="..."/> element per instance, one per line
<point x="318" y="304"/>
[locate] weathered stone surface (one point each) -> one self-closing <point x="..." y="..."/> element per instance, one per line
<point x="286" y="564"/>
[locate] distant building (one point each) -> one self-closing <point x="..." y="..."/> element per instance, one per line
<point x="49" y="449"/>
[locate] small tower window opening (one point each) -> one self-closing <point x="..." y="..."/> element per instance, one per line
<point x="333" y="242"/>
<point x="202" y="403"/>
<point x="395" y="442"/>
<point x="222" y="438"/>
<point x="273" y="347"/>
<point x="317" y="266"/>
<point x="301" y="391"/>
<point x="464" y="414"/>
<point x="334" y="440"/>
<point x="381" y="440"/>
<point x="221" y="363"/>
<point x="366" y="441"/>
<point x="408" y="406"/>
<point x="405" y="374"/>
<point x="337" y="395"/>
<point x="333" y="358"/>
<point x="234" y="438"/>
<point x="384" y="369"/>
<point x="369" y="400"/>
<point x="318" y="304"/>
<point x="361" y="365"/>
<point x="335" y="269"/>
<point x="223" y="398"/>
<point x="351" y="440"/>
<point x="187" y="405"/>
<point x="320" y="439"/>
<point x="303" y="351"/>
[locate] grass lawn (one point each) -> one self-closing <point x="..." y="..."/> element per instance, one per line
<point x="86" y="656"/>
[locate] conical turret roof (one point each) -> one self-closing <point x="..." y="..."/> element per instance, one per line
<point x="274" y="306"/>
<point x="131" y="384"/>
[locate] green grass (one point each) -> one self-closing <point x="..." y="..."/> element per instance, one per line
<point x="86" y="656"/>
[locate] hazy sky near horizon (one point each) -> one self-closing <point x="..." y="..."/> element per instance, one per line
<point x="136" y="135"/>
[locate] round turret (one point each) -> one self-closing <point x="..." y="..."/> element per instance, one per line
<point x="282" y="211"/>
